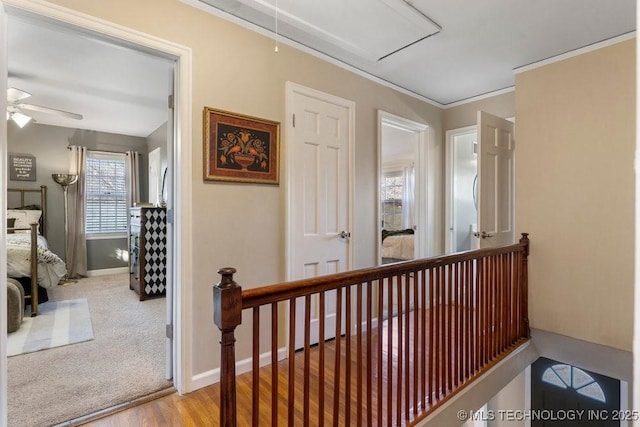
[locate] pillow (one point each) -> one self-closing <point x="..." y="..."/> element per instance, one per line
<point x="24" y="218"/>
<point x="10" y="224"/>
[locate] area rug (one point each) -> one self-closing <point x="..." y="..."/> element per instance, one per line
<point x="57" y="324"/>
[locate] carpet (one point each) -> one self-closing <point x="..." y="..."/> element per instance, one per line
<point x="57" y="324"/>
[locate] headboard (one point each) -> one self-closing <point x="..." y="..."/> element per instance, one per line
<point x="25" y="201"/>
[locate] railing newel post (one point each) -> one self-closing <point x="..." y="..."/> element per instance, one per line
<point x="524" y="240"/>
<point x="227" y="315"/>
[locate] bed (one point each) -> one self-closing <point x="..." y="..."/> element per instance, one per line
<point x="397" y="245"/>
<point x="26" y="242"/>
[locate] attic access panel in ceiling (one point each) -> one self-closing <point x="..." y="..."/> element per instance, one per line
<point x="369" y="29"/>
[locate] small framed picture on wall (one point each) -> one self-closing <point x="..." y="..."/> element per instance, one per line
<point x="22" y="167"/>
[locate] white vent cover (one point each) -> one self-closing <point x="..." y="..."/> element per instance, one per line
<point x="370" y="29"/>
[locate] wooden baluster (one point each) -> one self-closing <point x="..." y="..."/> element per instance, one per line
<point x="380" y="336"/>
<point x="416" y="341"/>
<point x="449" y="330"/>
<point x="227" y="315"/>
<point x="524" y="240"/>
<point x="478" y="315"/>
<point x="359" y="355"/>
<point x="307" y="359"/>
<point x="468" y="315"/>
<point x="255" y="369"/>
<point x="347" y="370"/>
<point x="389" y="351"/>
<point x="424" y="378"/>
<point x="458" y="317"/>
<point x="432" y="337"/>
<point x="292" y="361"/>
<point x="369" y="354"/>
<point x="442" y="285"/>
<point x="321" y="362"/>
<point x="407" y="349"/>
<point x="274" y="363"/>
<point x="400" y="320"/>
<point x="336" y="367"/>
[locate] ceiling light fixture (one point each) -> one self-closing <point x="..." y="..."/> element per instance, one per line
<point x="20" y="119"/>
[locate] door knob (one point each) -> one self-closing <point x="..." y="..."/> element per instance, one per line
<point x="482" y="234"/>
<point x="344" y="234"/>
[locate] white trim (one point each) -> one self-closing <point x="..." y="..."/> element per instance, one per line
<point x="212" y="376"/>
<point x="448" y="221"/>
<point x="183" y="273"/>
<point x="576" y="52"/>
<point x="107" y="271"/>
<point x="624" y="402"/>
<point x="3" y="219"/>
<point x="480" y="97"/>
<point x="423" y="179"/>
<point x="107" y="235"/>
<point x="286" y="41"/>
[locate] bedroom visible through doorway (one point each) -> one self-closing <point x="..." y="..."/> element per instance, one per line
<point x="48" y="143"/>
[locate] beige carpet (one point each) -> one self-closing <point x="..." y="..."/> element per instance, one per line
<point x="126" y="359"/>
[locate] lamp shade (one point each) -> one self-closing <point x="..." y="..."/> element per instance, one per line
<point x="64" y="179"/>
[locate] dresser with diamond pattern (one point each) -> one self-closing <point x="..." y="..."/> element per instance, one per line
<point x="147" y="251"/>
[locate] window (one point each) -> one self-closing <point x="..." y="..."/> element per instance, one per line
<point x="567" y="376"/>
<point x="392" y="196"/>
<point x="106" y="193"/>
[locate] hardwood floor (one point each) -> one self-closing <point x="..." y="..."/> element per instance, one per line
<point x="201" y="408"/>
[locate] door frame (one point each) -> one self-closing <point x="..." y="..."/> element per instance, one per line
<point x="449" y="170"/>
<point x="291" y="89"/>
<point x="181" y="163"/>
<point x="424" y="182"/>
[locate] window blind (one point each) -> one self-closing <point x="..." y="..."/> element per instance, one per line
<point x="106" y="194"/>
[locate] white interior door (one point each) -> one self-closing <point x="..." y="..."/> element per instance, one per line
<point x="320" y="138"/>
<point x="496" y="145"/>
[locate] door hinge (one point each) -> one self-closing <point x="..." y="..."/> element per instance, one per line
<point x="294" y="120"/>
<point x="169" y="331"/>
<point x="170" y="100"/>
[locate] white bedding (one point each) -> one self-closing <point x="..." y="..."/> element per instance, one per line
<point x="50" y="267"/>
<point x="398" y="247"/>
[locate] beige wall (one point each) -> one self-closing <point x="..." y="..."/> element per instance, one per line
<point x="466" y="114"/>
<point x="242" y="225"/>
<point x="575" y="193"/>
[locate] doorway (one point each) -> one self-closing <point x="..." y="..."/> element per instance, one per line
<point x="480" y="185"/>
<point x="403" y="209"/>
<point x="462" y="188"/>
<point x="320" y="174"/>
<point x="178" y="203"/>
<point x="558" y="388"/>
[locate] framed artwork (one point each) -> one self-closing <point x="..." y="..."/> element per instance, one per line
<point x="240" y="148"/>
<point x="22" y="167"/>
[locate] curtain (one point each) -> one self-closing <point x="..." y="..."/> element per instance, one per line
<point x="408" y="198"/>
<point x="133" y="178"/>
<point x="76" y="250"/>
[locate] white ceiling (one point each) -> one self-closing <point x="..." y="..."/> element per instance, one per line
<point x="474" y="53"/>
<point x="115" y="88"/>
<point x="448" y="50"/>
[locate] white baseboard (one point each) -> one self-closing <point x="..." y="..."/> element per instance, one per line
<point x="107" y="271"/>
<point x="207" y="378"/>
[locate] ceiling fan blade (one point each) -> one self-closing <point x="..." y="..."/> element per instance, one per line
<point x="15" y="95"/>
<point x="47" y="110"/>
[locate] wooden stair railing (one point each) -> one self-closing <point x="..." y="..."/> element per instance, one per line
<point x="418" y="333"/>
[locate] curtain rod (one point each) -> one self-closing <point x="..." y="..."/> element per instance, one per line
<point x="103" y="151"/>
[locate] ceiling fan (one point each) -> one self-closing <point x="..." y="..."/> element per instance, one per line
<point x="19" y="111"/>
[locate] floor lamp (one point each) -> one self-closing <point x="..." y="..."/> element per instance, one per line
<point x="65" y="180"/>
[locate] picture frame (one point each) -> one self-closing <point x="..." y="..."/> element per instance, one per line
<point x="22" y="167"/>
<point x="240" y="148"/>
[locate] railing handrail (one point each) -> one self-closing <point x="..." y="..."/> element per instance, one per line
<point x="299" y="288"/>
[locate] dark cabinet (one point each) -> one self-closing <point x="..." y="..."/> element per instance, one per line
<point x="148" y="251"/>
